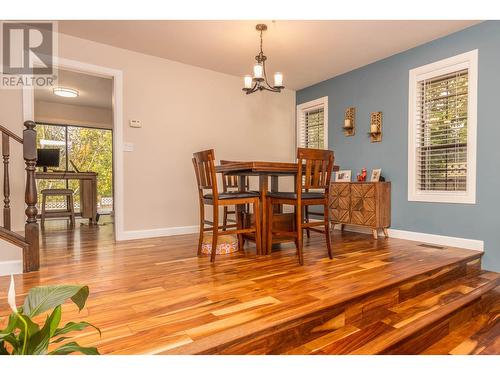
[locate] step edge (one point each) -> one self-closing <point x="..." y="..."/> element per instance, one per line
<point x="422" y="322"/>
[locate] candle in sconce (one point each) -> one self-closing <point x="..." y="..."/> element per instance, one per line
<point x="373" y="128"/>
<point x="258" y="71"/>
<point x="248" y="81"/>
<point x="278" y="79"/>
<point x="347" y="123"/>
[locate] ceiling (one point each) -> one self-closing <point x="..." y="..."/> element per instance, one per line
<point x="93" y="91"/>
<point x="306" y="52"/>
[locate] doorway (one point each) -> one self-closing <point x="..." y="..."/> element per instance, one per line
<point x="78" y="126"/>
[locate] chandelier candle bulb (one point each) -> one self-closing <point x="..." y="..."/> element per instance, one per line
<point x="248" y="81"/>
<point x="257" y="71"/>
<point x="278" y="79"/>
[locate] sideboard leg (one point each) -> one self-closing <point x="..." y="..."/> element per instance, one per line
<point x="375" y="234"/>
<point x="386" y="233"/>
<point x="342" y="227"/>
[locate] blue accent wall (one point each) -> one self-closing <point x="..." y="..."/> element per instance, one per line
<point x="383" y="86"/>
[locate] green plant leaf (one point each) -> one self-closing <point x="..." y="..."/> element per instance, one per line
<point x="39" y="342"/>
<point x="14" y="341"/>
<point x="59" y="339"/>
<point x="3" y="350"/>
<point x="27" y="329"/>
<point x="32" y="326"/>
<point x="43" y="298"/>
<point x="11" y="325"/>
<point x="72" y="347"/>
<point x="72" y="326"/>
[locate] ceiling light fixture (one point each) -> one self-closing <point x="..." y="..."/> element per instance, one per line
<point x="259" y="80"/>
<point x="65" y="92"/>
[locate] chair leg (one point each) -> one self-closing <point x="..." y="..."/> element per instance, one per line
<point x="269" y="229"/>
<point x="202" y="227"/>
<point x="306" y="210"/>
<point x="71" y="209"/>
<point x="327" y="232"/>
<point x="239" y="225"/>
<point x="224" y="218"/>
<point x="44" y="200"/>
<point x="258" y="237"/>
<point x="215" y="232"/>
<point x="298" y="218"/>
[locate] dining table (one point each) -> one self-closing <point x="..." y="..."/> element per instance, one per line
<point x="265" y="171"/>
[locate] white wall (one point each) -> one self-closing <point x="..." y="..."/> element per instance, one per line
<point x="58" y="113"/>
<point x="183" y="109"/>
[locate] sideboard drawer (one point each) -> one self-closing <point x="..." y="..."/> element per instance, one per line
<point x="363" y="204"/>
<point x="340" y="203"/>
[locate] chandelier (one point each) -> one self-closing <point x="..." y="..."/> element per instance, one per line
<point x="259" y="80"/>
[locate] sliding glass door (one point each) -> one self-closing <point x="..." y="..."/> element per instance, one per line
<point x="83" y="149"/>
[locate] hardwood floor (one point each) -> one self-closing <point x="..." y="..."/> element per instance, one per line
<point x="375" y="296"/>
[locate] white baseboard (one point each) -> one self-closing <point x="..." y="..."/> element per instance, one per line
<point x="11" y="267"/>
<point x="435" y="239"/>
<point x="158" y="232"/>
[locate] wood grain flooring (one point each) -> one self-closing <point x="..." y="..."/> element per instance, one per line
<point x="155" y="295"/>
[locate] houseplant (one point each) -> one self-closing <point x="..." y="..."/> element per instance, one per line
<point x="23" y="336"/>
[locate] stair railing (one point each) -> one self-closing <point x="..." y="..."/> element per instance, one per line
<point x="30" y="241"/>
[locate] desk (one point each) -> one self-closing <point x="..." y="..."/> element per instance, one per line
<point x="264" y="170"/>
<point x="88" y="190"/>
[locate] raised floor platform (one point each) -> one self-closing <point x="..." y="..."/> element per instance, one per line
<point x="375" y="296"/>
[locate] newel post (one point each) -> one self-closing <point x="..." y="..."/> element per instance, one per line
<point x="6" y="181"/>
<point x="31" y="256"/>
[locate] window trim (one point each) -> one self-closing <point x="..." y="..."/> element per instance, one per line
<point x="468" y="60"/>
<point x="308" y="106"/>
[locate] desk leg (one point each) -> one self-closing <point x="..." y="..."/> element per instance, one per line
<point x="88" y="200"/>
<point x="94" y="200"/>
<point x="263" y="189"/>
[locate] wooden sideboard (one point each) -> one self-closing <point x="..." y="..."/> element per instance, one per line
<point x="366" y="204"/>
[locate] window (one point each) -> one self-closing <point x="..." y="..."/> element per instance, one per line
<point x="90" y="149"/>
<point x="312" y="124"/>
<point x="442" y="131"/>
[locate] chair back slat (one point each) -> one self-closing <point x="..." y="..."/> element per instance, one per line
<point x="317" y="165"/>
<point x="231" y="181"/>
<point x="204" y="168"/>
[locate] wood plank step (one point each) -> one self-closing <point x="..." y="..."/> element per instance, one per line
<point x="479" y="335"/>
<point x="426" y="318"/>
<point x="309" y="320"/>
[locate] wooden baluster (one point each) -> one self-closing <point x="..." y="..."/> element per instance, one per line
<point x="31" y="256"/>
<point x="6" y="182"/>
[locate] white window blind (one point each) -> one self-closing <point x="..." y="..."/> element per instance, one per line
<point x="312" y="124"/>
<point x="442" y="130"/>
<point x="441" y="134"/>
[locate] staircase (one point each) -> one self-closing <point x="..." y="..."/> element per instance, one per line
<point x="29" y="243"/>
<point x="454" y="309"/>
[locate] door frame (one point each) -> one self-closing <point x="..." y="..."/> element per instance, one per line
<point x="118" y="173"/>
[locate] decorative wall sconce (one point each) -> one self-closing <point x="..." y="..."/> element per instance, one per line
<point x="349" y="122"/>
<point x="375" y="127"/>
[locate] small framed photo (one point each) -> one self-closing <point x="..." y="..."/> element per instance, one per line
<point x="343" y="176"/>
<point x="375" y="175"/>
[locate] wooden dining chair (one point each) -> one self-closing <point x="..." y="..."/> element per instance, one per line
<point x="230" y="183"/>
<point x="208" y="192"/>
<point x="313" y="173"/>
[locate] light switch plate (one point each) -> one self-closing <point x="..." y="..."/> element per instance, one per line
<point x="128" y="147"/>
<point x="135" y="124"/>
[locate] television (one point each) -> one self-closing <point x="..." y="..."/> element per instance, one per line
<point x="47" y="157"/>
